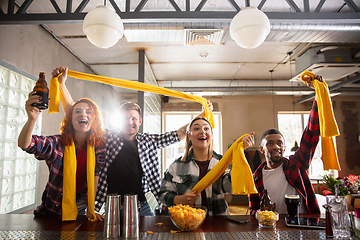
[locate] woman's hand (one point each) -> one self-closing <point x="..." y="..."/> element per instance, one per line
<point x="32" y="112"/>
<point x="63" y="77"/>
<point x="249" y="140"/>
<point x="188" y="198"/>
<point x="210" y="106"/>
<point x="98" y="216"/>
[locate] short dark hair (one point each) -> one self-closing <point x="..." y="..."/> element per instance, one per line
<point x="270" y="131"/>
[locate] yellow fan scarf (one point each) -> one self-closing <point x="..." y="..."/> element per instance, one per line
<point x="328" y="125"/>
<point x="69" y="209"/>
<point x="241" y="177"/>
<point x="55" y="92"/>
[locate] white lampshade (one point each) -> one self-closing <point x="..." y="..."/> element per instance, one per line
<point x="103" y="27"/>
<point x="249" y="27"/>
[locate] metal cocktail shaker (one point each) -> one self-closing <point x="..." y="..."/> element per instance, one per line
<point x="112" y="216"/>
<point x="131" y="217"/>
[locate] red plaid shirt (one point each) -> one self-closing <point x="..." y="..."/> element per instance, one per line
<point x="51" y="149"/>
<point x="296" y="168"/>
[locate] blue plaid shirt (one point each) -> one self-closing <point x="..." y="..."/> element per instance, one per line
<point x="148" y="144"/>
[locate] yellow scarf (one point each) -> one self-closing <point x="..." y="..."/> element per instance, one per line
<point x="328" y="125"/>
<point x="241" y="177"/>
<point x="69" y="209"/>
<point x="54" y="91"/>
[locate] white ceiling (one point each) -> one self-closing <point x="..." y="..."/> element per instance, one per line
<point x="225" y="67"/>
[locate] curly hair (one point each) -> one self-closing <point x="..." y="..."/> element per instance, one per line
<point x="96" y="133"/>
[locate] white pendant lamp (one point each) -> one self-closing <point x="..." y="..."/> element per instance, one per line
<point x="103" y="27"/>
<point x="249" y="27"/>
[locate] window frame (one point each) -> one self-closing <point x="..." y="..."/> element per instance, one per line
<point x="313" y="175"/>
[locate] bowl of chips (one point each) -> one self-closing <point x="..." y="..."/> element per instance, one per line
<point x="187" y="218"/>
<point x="267" y="219"/>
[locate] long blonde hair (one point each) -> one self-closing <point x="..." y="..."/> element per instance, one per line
<point x="188" y="144"/>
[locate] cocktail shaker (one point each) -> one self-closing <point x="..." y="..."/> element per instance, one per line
<point x="112" y="216"/>
<point x="131" y="216"/>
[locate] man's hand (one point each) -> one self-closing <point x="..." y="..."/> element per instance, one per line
<point x="309" y="80"/>
<point x="63" y="77"/>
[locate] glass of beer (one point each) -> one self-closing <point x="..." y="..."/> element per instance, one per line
<point x="292" y="204"/>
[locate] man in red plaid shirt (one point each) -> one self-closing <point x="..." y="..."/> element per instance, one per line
<point x="280" y="175"/>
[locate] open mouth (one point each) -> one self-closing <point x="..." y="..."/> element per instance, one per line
<point x="83" y="122"/>
<point x="202" y="138"/>
<point x="276" y="154"/>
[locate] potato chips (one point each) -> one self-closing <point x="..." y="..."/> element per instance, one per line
<point x="186" y="217"/>
<point x="267" y="218"/>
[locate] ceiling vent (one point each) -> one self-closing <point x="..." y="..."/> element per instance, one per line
<point x="333" y="63"/>
<point x="203" y="36"/>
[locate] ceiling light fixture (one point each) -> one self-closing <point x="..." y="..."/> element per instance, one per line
<point x="103" y="26"/>
<point x="249" y="27"/>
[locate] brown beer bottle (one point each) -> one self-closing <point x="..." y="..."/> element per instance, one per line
<point x="266" y="203"/>
<point x="42" y="90"/>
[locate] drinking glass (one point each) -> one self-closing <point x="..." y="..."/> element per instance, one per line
<point x="340" y="216"/>
<point x="292" y="205"/>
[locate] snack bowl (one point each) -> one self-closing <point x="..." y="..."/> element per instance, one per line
<point x="267" y="219"/>
<point x="187" y="218"/>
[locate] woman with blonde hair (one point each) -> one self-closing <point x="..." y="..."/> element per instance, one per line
<point x="185" y="172"/>
<point x="74" y="158"/>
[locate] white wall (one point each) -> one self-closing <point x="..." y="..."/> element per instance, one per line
<point x="33" y="50"/>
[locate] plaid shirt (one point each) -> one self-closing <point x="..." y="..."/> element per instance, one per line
<point x="148" y="144"/>
<point x="181" y="177"/>
<point x="296" y="168"/>
<point x="51" y="149"/>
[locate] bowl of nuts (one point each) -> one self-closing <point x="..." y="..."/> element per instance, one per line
<point x="267" y="219"/>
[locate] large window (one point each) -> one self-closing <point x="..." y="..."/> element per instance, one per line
<point x="173" y="121"/>
<point x="292" y="125"/>
<point x="18" y="170"/>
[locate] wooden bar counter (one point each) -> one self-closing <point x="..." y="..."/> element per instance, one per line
<point x="26" y="226"/>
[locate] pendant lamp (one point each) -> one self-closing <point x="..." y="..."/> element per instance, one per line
<point x="103" y="27"/>
<point x="249" y="27"/>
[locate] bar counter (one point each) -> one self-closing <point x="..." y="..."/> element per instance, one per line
<point x="26" y="226"/>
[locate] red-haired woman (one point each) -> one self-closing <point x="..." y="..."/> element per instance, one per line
<point x="79" y="147"/>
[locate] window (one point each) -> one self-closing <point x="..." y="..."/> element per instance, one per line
<point x="18" y="170"/>
<point x="292" y="125"/>
<point x="173" y="121"/>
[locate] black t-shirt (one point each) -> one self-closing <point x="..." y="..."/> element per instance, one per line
<point x="125" y="173"/>
<point x="203" y="168"/>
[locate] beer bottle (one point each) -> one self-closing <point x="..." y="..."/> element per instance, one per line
<point x="266" y="203"/>
<point x="42" y="90"/>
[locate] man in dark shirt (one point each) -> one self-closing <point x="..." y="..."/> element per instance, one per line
<point x="132" y="164"/>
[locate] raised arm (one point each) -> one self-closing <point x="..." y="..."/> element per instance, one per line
<point x="66" y="99"/>
<point x="310" y="137"/>
<point x="182" y="130"/>
<point x="33" y="113"/>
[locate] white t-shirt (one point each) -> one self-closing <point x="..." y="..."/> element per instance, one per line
<point x="275" y="182"/>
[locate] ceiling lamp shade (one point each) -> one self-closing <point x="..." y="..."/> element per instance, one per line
<point x="103" y="27"/>
<point x="249" y="27"/>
